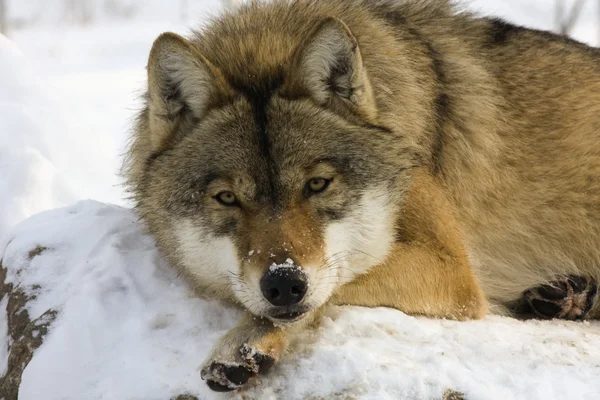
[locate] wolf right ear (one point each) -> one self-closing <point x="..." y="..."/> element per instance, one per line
<point x="182" y="86"/>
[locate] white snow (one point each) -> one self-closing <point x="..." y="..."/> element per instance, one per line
<point x="30" y="181"/>
<point x="128" y="327"/>
<point x="3" y="336"/>
<point x="288" y="264"/>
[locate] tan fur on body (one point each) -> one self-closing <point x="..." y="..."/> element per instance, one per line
<point x="427" y="272"/>
<point x="486" y="135"/>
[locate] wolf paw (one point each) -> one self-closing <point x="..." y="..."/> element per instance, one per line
<point x="224" y="376"/>
<point x="570" y="298"/>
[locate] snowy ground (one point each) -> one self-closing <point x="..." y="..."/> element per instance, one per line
<point x="129" y="328"/>
<point x="67" y="96"/>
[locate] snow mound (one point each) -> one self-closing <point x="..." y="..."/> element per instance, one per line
<point x="45" y="149"/>
<point x="29" y="182"/>
<point x="127" y="327"/>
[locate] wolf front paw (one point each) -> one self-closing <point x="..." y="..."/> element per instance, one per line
<point x="570" y="298"/>
<point x="227" y="375"/>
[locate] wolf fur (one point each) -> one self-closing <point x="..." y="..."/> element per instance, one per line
<point x="462" y="154"/>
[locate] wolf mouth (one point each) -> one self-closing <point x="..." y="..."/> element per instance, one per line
<point x="288" y="316"/>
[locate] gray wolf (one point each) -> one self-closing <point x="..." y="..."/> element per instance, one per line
<point x="295" y="154"/>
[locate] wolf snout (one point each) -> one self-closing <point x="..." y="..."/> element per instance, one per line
<point x="284" y="285"/>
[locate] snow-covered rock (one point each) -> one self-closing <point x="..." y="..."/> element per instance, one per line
<point x="118" y="323"/>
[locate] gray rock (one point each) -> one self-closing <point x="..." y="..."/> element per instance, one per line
<point x="25" y="335"/>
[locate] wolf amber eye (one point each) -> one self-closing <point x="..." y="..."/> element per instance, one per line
<point x="317" y="185"/>
<point x="227" y="198"/>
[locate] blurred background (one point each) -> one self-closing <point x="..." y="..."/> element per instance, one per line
<point x="71" y="72"/>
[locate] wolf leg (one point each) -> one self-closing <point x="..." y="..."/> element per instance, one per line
<point x="418" y="280"/>
<point x="427" y="272"/>
<point x="572" y="297"/>
<point x="249" y="349"/>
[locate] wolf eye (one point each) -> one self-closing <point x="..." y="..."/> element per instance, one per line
<point x="317" y="185"/>
<point x="227" y="198"/>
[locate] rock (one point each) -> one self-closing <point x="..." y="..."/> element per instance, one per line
<point x="185" y="397"/>
<point x="24" y="336"/>
<point x="453" y="395"/>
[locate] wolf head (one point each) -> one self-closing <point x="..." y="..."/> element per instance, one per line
<point x="273" y="188"/>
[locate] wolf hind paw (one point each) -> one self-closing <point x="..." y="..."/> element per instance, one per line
<point x="571" y="298"/>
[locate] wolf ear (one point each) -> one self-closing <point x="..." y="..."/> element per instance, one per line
<point x="329" y="67"/>
<point x="182" y="85"/>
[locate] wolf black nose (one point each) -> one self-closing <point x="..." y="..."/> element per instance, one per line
<point x="284" y="286"/>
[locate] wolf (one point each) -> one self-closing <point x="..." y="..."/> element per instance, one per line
<point x="408" y="154"/>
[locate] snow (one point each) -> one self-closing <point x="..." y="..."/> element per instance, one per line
<point x="128" y="327"/>
<point x="30" y="182"/>
<point x="288" y="264"/>
<point x="3" y="336"/>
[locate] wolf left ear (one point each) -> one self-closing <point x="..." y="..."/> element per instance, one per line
<point x="182" y="86"/>
<point x="329" y="67"/>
